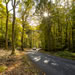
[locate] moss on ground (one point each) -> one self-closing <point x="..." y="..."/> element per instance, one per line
<point x="2" y="68"/>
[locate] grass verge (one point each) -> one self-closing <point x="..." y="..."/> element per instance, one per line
<point x="63" y="54"/>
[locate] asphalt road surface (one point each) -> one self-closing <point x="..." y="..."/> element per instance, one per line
<point x="52" y="65"/>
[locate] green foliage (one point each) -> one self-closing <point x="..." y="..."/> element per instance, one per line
<point x="55" y="32"/>
<point x="56" y="29"/>
<point x="65" y="53"/>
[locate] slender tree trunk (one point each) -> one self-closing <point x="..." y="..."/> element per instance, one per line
<point x="6" y="35"/>
<point x="66" y="40"/>
<point x="1" y="27"/>
<point x="73" y="25"/>
<point x="49" y="35"/>
<point x="22" y="33"/>
<point x="13" y="24"/>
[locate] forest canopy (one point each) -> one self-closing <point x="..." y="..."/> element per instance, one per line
<point x="46" y="24"/>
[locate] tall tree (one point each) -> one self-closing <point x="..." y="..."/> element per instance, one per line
<point x="27" y="5"/>
<point x="73" y="23"/>
<point x="13" y="24"/>
<point x="22" y="37"/>
<point x="7" y="16"/>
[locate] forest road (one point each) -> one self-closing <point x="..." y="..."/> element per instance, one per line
<point x="52" y="65"/>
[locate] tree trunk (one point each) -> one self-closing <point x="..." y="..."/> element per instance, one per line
<point x="6" y="35"/>
<point x="13" y="24"/>
<point x="22" y="33"/>
<point x="73" y="26"/>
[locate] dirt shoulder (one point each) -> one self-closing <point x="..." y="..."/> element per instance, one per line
<point x="18" y="64"/>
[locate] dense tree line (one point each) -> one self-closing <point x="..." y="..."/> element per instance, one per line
<point x="55" y="31"/>
<point x="14" y="30"/>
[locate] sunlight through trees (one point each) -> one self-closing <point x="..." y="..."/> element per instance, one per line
<point x="48" y="24"/>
